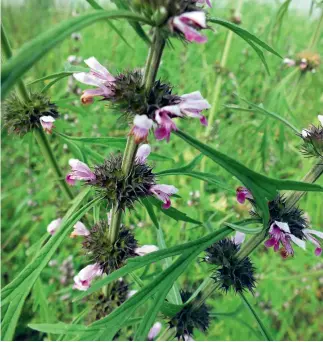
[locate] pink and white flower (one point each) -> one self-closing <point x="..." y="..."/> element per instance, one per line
<point x="154" y="331"/>
<point x="140" y="130"/>
<point x="188" y="23"/>
<point x="53" y="226"/>
<point x="309" y="236"/>
<point x="47" y="123"/>
<point x="99" y="77"/>
<point x="190" y="105"/>
<point x="208" y="2"/>
<point x="280" y="234"/>
<point x="303" y="64"/>
<point x="143" y="153"/>
<point x="289" y="62"/>
<point x="163" y="192"/>
<point x="83" y="280"/>
<point x="79" y="230"/>
<point x="239" y="238"/>
<point x="146" y="249"/>
<point x="80" y="171"/>
<point x="243" y="194"/>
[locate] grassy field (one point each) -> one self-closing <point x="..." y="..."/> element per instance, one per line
<point x="289" y="293"/>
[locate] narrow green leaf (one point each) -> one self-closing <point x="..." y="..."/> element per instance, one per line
<point x="261" y="326"/>
<point x="34" y="50"/>
<point x="244" y="229"/>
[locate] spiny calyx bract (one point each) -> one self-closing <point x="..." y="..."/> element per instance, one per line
<point x="110" y="256"/>
<point x="232" y="272"/>
<point x="131" y="97"/>
<point x="22" y="116"/>
<point x="190" y="317"/>
<point x="115" y="186"/>
<point x="312" y="141"/>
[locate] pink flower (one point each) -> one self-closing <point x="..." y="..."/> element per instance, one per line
<point x="99" y="77"/>
<point x="83" y="280"/>
<point x="289" y="62"/>
<point x="193" y="104"/>
<point x="303" y="64"/>
<point x="242" y="194"/>
<point x="47" y="123"/>
<point x="188" y="23"/>
<point x="208" y="2"/>
<point x="280" y="234"/>
<point x="53" y="226"/>
<point x="309" y="236"/>
<point x="163" y="192"/>
<point x="190" y="105"/>
<point x="146" y="249"/>
<point x="80" y="171"/>
<point x="143" y="153"/>
<point x="154" y="331"/>
<point x="320" y="117"/>
<point x="166" y="125"/>
<point x="79" y="230"/>
<point x="140" y="130"/>
<point x="239" y="238"/>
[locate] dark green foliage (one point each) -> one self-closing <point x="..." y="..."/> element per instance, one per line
<point x="293" y="216"/>
<point x="190" y="317"/>
<point x="110" y="256"/>
<point x="313" y="142"/>
<point x="130" y="95"/>
<point x="232" y="273"/>
<point x="21" y="117"/>
<point x="112" y="184"/>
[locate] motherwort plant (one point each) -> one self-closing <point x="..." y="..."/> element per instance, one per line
<point x="124" y="182"/>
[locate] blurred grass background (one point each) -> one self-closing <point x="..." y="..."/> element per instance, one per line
<point x="290" y="292"/>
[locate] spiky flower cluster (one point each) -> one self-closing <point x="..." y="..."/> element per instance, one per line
<point x="111" y="182"/>
<point x="190" y="317"/>
<point x="313" y="140"/>
<point x="280" y="212"/>
<point x="108" y="256"/>
<point x="21" y="117"/>
<point x="231" y="272"/>
<point x="103" y="304"/>
<point x="131" y="97"/>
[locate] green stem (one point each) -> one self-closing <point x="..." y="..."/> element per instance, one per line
<point x="311" y="177"/>
<point x="316" y="34"/>
<point x="51" y="160"/>
<point x="209" y="288"/>
<point x="151" y="69"/>
<point x="167" y="335"/>
<point x="7" y="51"/>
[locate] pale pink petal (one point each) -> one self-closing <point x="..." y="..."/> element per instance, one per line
<point x="53" y="226"/>
<point x="47" y="123"/>
<point x="320" y="117"/>
<point x="239" y="238"/>
<point x="283" y="226"/>
<point x="80" y="230"/>
<point x="298" y="242"/>
<point x="196" y="17"/>
<point x="154" y="331"/>
<point x="99" y="68"/>
<point x="314" y="232"/>
<point x="140" y="130"/>
<point x="146" y="249"/>
<point x="143" y="153"/>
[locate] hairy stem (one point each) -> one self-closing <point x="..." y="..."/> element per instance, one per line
<point x="52" y="162"/>
<point x="151" y="69"/>
<point x="167" y="335"/>
<point x="38" y="133"/>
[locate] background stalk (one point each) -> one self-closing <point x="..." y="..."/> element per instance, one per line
<point x="216" y="94"/>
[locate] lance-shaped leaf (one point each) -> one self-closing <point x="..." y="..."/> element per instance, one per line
<point x="34" y="50"/>
<point x="251" y="39"/>
<point x="263" y="188"/>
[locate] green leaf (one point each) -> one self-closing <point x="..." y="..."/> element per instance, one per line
<point x="96" y="6"/>
<point x="260" y="109"/>
<point x="34" y="50"/>
<point x="251" y="39"/>
<point x="139" y="262"/>
<point x="159" y="157"/>
<point x="59" y="328"/>
<point x="261" y="326"/>
<point x="106" y="141"/>
<point x="263" y="188"/>
<point x="172" y="212"/>
<point x="244" y="229"/>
